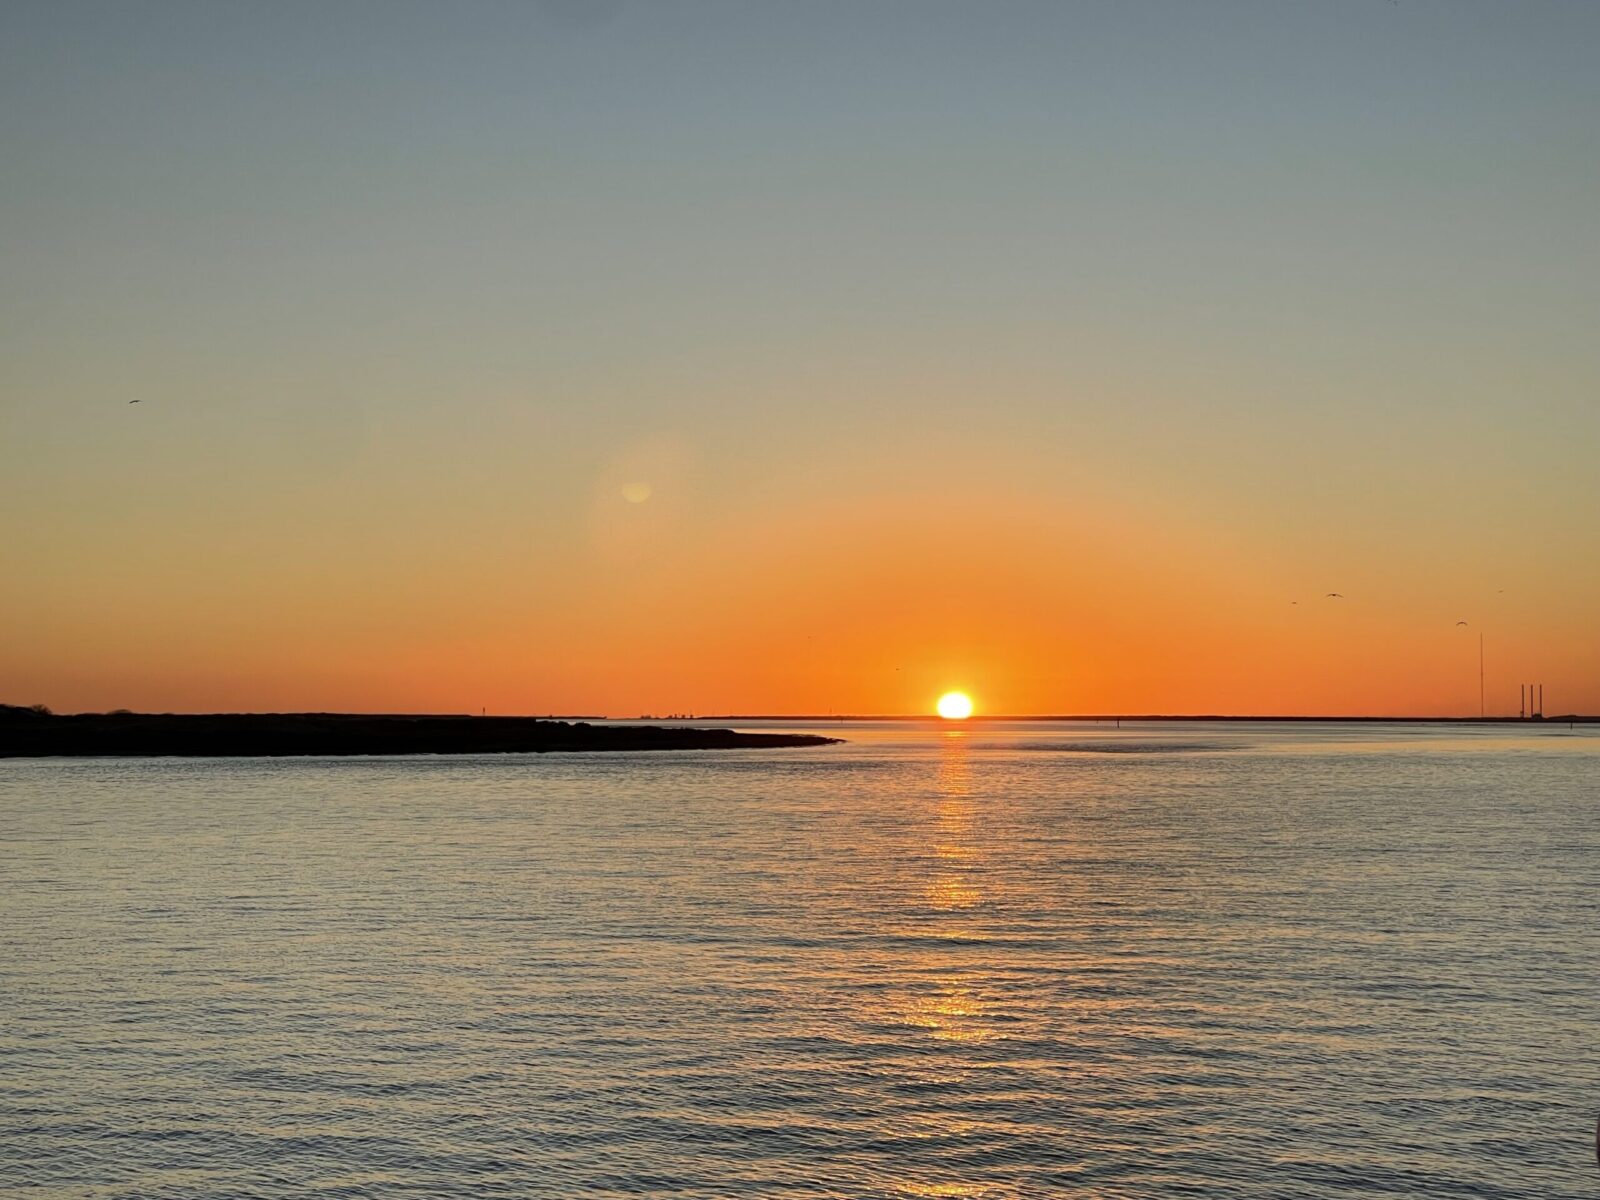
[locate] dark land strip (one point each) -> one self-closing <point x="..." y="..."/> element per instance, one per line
<point x="30" y="733"/>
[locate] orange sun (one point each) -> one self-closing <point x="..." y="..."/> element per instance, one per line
<point x="955" y="706"/>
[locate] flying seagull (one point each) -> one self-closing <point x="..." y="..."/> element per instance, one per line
<point x="1460" y="622"/>
<point x="133" y="401"/>
<point x="1334" y="596"/>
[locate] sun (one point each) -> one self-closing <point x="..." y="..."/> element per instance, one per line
<point x="955" y="706"/>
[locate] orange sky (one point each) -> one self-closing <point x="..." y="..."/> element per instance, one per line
<point x="1094" y="601"/>
<point x="782" y="360"/>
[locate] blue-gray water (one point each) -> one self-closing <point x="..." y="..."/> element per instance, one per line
<point x="989" y="961"/>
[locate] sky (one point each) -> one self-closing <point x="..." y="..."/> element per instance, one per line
<point x="619" y="357"/>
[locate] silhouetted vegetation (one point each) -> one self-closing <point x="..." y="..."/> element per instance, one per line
<point x="14" y="712"/>
<point x="36" y="732"/>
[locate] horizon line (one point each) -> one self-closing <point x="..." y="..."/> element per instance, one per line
<point x="1325" y="718"/>
<point x="1101" y="717"/>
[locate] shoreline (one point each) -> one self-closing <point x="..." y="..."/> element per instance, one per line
<point x="1153" y="718"/>
<point x="28" y="733"/>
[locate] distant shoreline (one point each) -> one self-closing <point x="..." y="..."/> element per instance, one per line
<point x="38" y="733"/>
<point x="1103" y="718"/>
<point x="30" y="733"/>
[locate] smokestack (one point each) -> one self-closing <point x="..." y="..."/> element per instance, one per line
<point x="1482" y="711"/>
<point x="1522" y="702"/>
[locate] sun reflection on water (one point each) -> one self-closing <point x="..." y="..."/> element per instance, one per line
<point x="953" y="887"/>
<point x="947" y="1002"/>
<point x="950" y="1005"/>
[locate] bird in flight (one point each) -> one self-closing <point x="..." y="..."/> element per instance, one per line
<point x="133" y="401"/>
<point x="1460" y="622"/>
<point x="1335" y="596"/>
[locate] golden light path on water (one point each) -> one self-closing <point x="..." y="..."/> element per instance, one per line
<point x="944" y="1000"/>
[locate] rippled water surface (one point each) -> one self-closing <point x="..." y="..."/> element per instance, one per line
<point x="993" y="961"/>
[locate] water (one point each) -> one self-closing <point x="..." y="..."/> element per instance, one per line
<point x="997" y="961"/>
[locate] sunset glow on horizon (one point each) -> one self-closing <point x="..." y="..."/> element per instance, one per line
<point x="755" y="359"/>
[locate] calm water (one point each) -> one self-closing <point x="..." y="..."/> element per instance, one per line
<point x="992" y="962"/>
